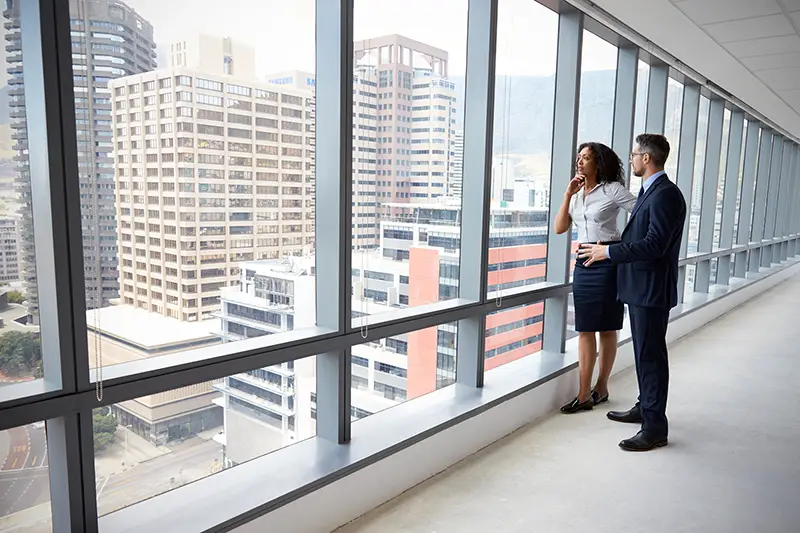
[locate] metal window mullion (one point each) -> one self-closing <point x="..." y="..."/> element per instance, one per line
<point x="779" y="218"/>
<point x="768" y="226"/>
<point x="46" y="45"/>
<point x="791" y="225"/>
<point x="624" y="109"/>
<point x="70" y="454"/>
<point x="686" y="152"/>
<point x="657" y="98"/>
<point x="747" y="197"/>
<point x="334" y="192"/>
<point x="565" y="132"/>
<point x="476" y="190"/>
<point x="708" y="202"/>
<point x="729" y="194"/>
<point x="793" y="202"/>
<point x="760" y="201"/>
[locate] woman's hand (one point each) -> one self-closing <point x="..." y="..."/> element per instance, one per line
<point x="575" y="185"/>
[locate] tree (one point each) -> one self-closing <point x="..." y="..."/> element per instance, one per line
<point x="15" y="297"/>
<point x="20" y="353"/>
<point x="105" y="427"/>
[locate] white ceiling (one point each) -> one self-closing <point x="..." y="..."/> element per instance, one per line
<point x="750" y="48"/>
<point x="763" y="35"/>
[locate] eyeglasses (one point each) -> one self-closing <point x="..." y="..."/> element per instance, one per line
<point x="637" y="153"/>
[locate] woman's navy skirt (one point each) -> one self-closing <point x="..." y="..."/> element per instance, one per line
<point x="594" y="293"/>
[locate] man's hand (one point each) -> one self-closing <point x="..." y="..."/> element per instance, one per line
<point x="593" y="253"/>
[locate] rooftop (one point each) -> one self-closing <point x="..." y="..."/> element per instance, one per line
<point x="148" y="331"/>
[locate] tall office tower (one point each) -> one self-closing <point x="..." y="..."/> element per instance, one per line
<point x="212" y="170"/>
<point x="416" y="118"/>
<point x="456" y="175"/>
<point x="109" y="40"/>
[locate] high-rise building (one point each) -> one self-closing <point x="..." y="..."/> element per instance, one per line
<point x="9" y="250"/>
<point x="416" y="118"/>
<point x="456" y="177"/>
<point x="109" y="40"/>
<point x="212" y="170"/>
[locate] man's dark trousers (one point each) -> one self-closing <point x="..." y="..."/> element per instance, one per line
<point x="649" y="331"/>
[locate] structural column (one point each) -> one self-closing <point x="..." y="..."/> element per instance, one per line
<point x="334" y="191"/>
<point x="565" y="131"/>
<point x="747" y="197"/>
<point x="780" y="215"/>
<point x="686" y="153"/>
<point x="708" y="209"/>
<point x="476" y="195"/>
<point x="657" y="98"/>
<point x="624" y="109"/>
<point x="760" y="202"/>
<point x="773" y="192"/>
<point x="729" y="194"/>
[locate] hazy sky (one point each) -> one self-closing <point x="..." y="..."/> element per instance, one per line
<point x="282" y="31"/>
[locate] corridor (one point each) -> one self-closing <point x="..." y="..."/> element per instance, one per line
<point x="733" y="463"/>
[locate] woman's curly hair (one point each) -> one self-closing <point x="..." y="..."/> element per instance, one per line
<point x="609" y="165"/>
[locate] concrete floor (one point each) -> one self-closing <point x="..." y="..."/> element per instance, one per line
<point x="732" y="465"/>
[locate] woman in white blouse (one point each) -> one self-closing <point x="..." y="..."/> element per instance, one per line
<point x="592" y="203"/>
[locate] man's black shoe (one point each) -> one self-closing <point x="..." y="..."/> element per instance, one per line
<point x="643" y="442"/>
<point x="631" y="416"/>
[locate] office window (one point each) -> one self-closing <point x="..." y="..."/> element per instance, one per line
<point x="265" y="409"/>
<point x="25" y="499"/>
<point x="598" y="82"/>
<point x="695" y="203"/>
<point x="367" y="212"/>
<point x="403" y="369"/>
<point x="204" y="166"/>
<point x="519" y="222"/>
<point x="514" y="333"/>
<point x="672" y="126"/>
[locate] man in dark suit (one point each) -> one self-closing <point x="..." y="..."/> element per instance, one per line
<point x="648" y="283"/>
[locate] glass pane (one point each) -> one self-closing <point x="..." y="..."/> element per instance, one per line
<point x="723" y="162"/>
<point x="196" y="159"/>
<point x="640" y="114"/>
<point x="740" y="184"/>
<point x="513" y="333"/>
<point x="20" y="352"/>
<point x="407" y="151"/>
<point x="157" y="443"/>
<point x="598" y="83"/>
<point x="755" y="183"/>
<point x="389" y="371"/>
<point x="688" y="287"/>
<point x="672" y="126"/>
<point x="523" y="134"/>
<point x="699" y="168"/>
<point x="24" y="480"/>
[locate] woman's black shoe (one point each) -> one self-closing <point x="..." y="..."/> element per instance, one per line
<point x="597" y="399"/>
<point x="574" y="406"/>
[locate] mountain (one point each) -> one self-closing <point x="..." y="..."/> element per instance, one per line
<point x="523" y="115"/>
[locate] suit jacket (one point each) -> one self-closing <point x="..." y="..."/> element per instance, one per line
<point x="647" y="257"/>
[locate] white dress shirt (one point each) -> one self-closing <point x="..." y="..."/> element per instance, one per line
<point x="594" y="212"/>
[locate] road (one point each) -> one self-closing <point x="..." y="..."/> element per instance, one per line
<point x="24" y="479"/>
<point x="158" y="475"/>
<point x="23" y="476"/>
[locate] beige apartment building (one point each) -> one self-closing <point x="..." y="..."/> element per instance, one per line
<point x="212" y="170"/>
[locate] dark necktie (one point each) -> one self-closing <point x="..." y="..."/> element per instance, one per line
<point x="639" y="198"/>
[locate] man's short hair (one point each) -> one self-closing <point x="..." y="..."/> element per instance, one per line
<point x="656" y="145"/>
